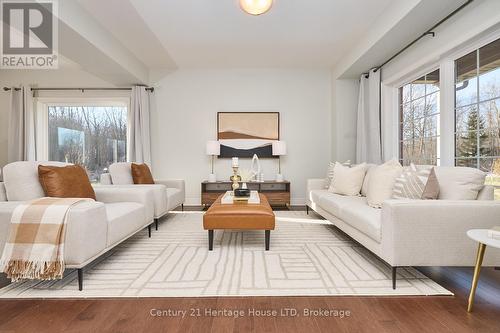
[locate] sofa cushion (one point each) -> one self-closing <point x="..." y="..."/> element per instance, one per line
<point x="174" y="197"/>
<point x="333" y="203"/>
<point x="70" y="181"/>
<point x="124" y="219"/>
<point x="141" y="174"/>
<point x="347" y="181"/>
<point x="21" y="180"/>
<point x="366" y="219"/>
<point x="381" y="182"/>
<point x="459" y="183"/>
<point x="121" y="173"/>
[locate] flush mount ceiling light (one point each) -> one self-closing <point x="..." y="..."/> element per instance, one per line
<point x="256" y="7"/>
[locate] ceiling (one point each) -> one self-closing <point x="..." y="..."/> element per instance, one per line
<point x="294" y="33"/>
<point x="144" y="40"/>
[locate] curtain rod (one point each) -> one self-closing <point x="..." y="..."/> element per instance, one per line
<point x="151" y="89"/>
<point x="426" y="33"/>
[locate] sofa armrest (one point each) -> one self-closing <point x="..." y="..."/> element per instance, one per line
<point x="105" y="179"/>
<point x="311" y="185"/>
<point x="316" y="184"/>
<point x="174" y="183"/>
<point x="142" y="195"/>
<point x="433" y="232"/>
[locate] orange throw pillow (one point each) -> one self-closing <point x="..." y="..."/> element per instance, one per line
<point x="65" y="182"/>
<point x="141" y="174"/>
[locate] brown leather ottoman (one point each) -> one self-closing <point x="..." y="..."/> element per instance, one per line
<point x="240" y="216"/>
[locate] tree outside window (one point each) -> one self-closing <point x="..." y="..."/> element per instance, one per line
<point x="91" y="136"/>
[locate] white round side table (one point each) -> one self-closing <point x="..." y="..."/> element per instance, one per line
<point x="480" y="236"/>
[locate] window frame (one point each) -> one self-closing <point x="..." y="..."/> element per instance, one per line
<point x="475" y="48"/>
<point x="400" y="124"/>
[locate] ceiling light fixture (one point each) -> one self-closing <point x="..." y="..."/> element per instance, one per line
<point x="256" y="7"/>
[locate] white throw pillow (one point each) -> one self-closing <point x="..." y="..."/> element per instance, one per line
<point x="459" y="183"/>
<point x="329" y="173"/>
<point x="364" y="188"/>
<point x="347" y="181"/>
<point x="381" y="182"/>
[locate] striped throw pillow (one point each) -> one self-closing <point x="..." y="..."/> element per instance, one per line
<point x="411" y="183"/>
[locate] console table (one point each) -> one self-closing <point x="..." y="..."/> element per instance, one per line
<point x="277" y="193"/>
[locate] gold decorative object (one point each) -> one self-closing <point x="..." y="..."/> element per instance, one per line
<point x="477" y="270"/>
<point x="235" y="178"/>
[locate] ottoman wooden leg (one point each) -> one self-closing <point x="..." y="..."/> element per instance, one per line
<point x="268" y="239"/>
<point x="210" y="240"/>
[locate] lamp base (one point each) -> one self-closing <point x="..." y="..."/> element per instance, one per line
<point x="279" y="177"/>
<point x="212" y="178"/>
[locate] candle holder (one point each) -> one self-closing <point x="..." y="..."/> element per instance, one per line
<point x="235" y="178"/>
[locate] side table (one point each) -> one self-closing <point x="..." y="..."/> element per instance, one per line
<point x="480" y="236"/>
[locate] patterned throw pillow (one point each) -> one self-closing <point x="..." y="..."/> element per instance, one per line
<point x="413" y="183"/>
<point x="329" y="173"/>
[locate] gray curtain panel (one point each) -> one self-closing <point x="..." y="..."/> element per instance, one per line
<point x="21" y="133"/>
<point x="368" y="135"/>
<point x="139" y="145"/>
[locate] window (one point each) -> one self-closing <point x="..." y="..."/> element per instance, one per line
<point x="477" y="107"/>
<point x="92" y="136"/>
<point x="419" y="120"/>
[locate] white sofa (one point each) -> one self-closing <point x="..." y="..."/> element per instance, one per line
<point x="168" y="194"/>
<point x="93" y="228"/>
<point x="412" y="232"/>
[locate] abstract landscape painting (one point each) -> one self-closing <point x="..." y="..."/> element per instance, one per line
<point x="243" y="134"/>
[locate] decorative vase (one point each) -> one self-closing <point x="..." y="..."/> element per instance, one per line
<point x="255" y="168"/>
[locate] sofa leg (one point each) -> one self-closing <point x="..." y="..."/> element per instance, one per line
<point x="268" y="239"/>
<point x="307" y="209"/>
<point x="394" y="277"/>
<point x="156" y="224"/>
<point x="80" y="278"/>
<point x="149" y="231"/>
<point x="182" y="207"/>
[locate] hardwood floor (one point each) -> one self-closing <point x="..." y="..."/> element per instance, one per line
<point x="361" y="314"/>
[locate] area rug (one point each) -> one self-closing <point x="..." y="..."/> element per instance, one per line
<point x="308" y="256"/>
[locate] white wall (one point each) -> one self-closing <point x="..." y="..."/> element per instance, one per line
<point x="344" y="119"/>
<point x="40" y="78"/>
<point x="187" y="102"/>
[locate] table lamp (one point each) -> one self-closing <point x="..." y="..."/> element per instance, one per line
<point x="279" y="149"/>
<point x="213" y="149"/>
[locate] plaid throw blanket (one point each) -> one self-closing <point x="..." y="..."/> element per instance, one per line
<point x="35" y="247"/>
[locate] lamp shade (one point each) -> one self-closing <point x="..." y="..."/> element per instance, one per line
<point x="213" y="148"/>
<point x="279" y="148"/>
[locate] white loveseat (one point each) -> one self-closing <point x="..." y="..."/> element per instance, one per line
<point x="412" y="232"/>
<point x="93" y="228"/>
<point x="168" y="194"/>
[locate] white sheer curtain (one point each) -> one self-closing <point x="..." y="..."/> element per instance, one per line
<point x="139" y="143"/>
<point x="21" y="133"/>
<point x="368" y="135"/>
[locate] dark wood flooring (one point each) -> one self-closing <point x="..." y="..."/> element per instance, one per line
<point x="365" y="314"/>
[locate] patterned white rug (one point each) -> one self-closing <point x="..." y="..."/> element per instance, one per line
<point x="308" y="256"/>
